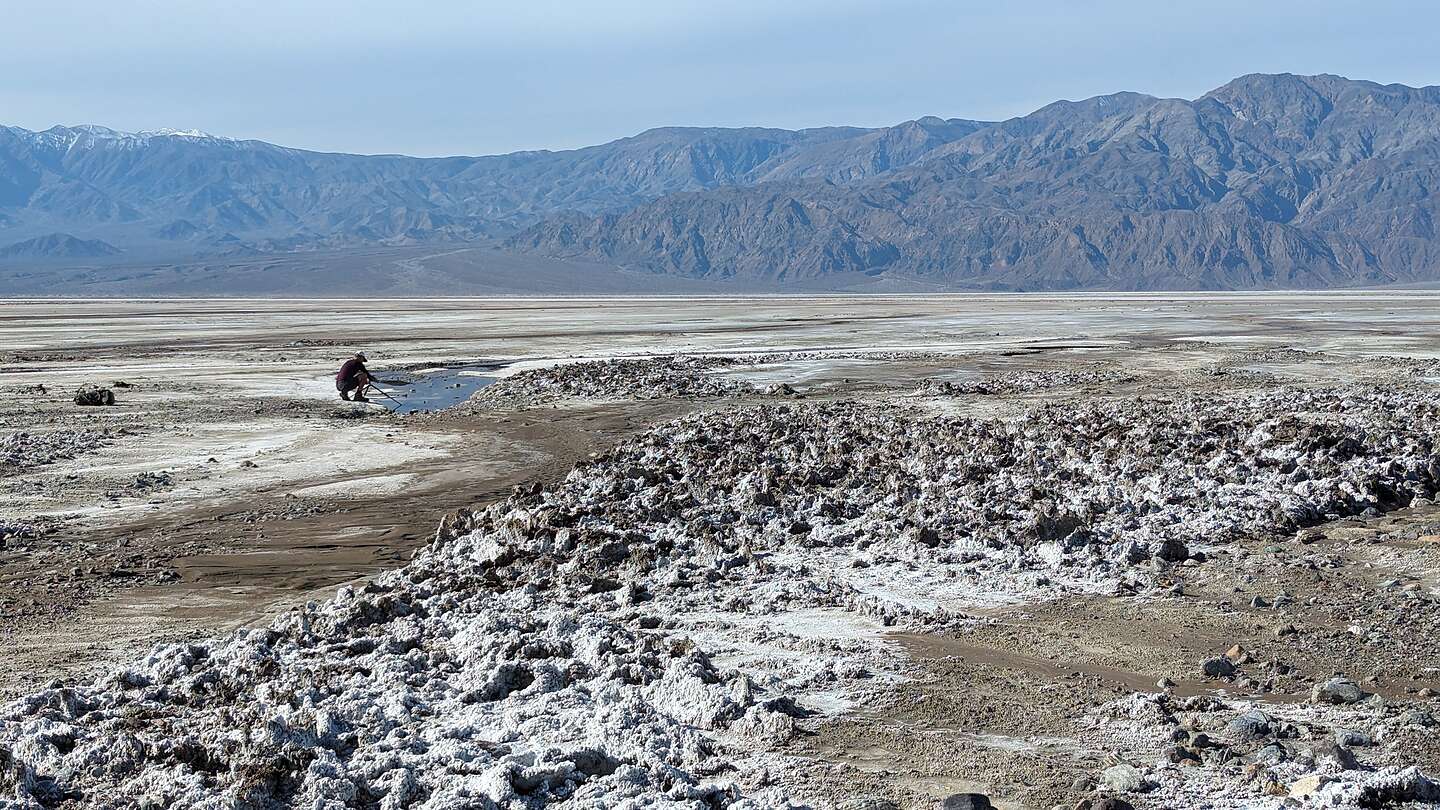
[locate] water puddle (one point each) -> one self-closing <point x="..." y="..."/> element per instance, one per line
<point x="435" y="389"/>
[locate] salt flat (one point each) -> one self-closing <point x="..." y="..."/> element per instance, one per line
<point x="229" y="486"/>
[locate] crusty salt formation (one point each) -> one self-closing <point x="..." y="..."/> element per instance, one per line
<point x="544" y="649"/>
<point x="1237" y="753"/>
<point x="1070" y="497"/>
<point x="1019" y="382"/>
<point x="669" y="377"/>
<point x="420" y="690"/>
<point x="23" y="450"/>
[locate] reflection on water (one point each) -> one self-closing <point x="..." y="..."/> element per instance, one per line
<point x="434" y="389"/>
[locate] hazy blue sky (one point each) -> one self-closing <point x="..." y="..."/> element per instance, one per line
<point x="452" y="77"/>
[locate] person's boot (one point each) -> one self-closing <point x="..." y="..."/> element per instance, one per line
<point x="359" y="397"/>
<point x="344" y="396"/>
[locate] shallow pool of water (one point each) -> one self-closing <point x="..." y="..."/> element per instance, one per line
<point x="435" y="389"/>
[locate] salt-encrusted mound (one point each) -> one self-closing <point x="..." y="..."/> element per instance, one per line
<point x="421" y="690"/>
<point x="670" y="377"/>
<point x="1020" y="382"/>
<point x="23" y="450"/>
<point x="1075" y="496"/>
<point x="536" y="652"/>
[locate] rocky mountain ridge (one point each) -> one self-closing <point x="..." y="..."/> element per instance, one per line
<point x="1269" y="181"/>
<point x="192" y="192"/>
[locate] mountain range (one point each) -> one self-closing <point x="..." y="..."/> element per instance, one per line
<point x="1270" y="181"/>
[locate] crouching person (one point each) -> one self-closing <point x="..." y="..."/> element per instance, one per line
<point x="353" y="376"/>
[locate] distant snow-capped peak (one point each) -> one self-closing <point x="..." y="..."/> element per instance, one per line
<point x="68" y="136"/>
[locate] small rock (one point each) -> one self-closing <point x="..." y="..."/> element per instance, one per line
<point x="1217" y="668"/>
<point x="1272" y="754"/>
<point x="1172" y="550"/>
<point x="1253" y="724"/>
<point x="94" y="396"/>
<point x="966" y="801"/>
<point x="1343" y="758"/>
<point x="1338" y="690"/>
<point x="1122" y="778"/>
<point x="1307" y="786"/>
<point x="1203" y="741"/>
<point x="1350" y="737"/>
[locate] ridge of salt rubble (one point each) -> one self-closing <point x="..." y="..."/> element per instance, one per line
<point x="23" y="450"/>
<point x="1402" y="365"/>
<point x="671" y="377"/>
<point x="1020" y="382"/>
<point x="663" y="377"/>
<point x="540" y="650"/>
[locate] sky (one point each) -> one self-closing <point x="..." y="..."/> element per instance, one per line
<point x="450" y="77"/>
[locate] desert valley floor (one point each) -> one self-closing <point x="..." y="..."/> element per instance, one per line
<point x="1163" y="551"/>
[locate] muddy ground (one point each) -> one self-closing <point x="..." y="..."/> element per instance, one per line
<point x="229" y="483"/>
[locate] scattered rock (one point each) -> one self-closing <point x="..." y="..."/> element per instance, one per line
<point x="1253" y="724"/>
<point x="1338" y="690"/>
<point x="1418" y="718"/>
<point x="1122" y="778"/>
<point x="1173" y="550"/>
<point x="1272" y="754"/>
<point x="1307" y="786"/>
<point x="1220" y="667"/>
<point x="1342" y="757"/>
<point x="966" y="801"/>
<point x="94" y="396"/>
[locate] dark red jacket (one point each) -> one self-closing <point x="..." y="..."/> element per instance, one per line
<point x="351" y="367"/>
